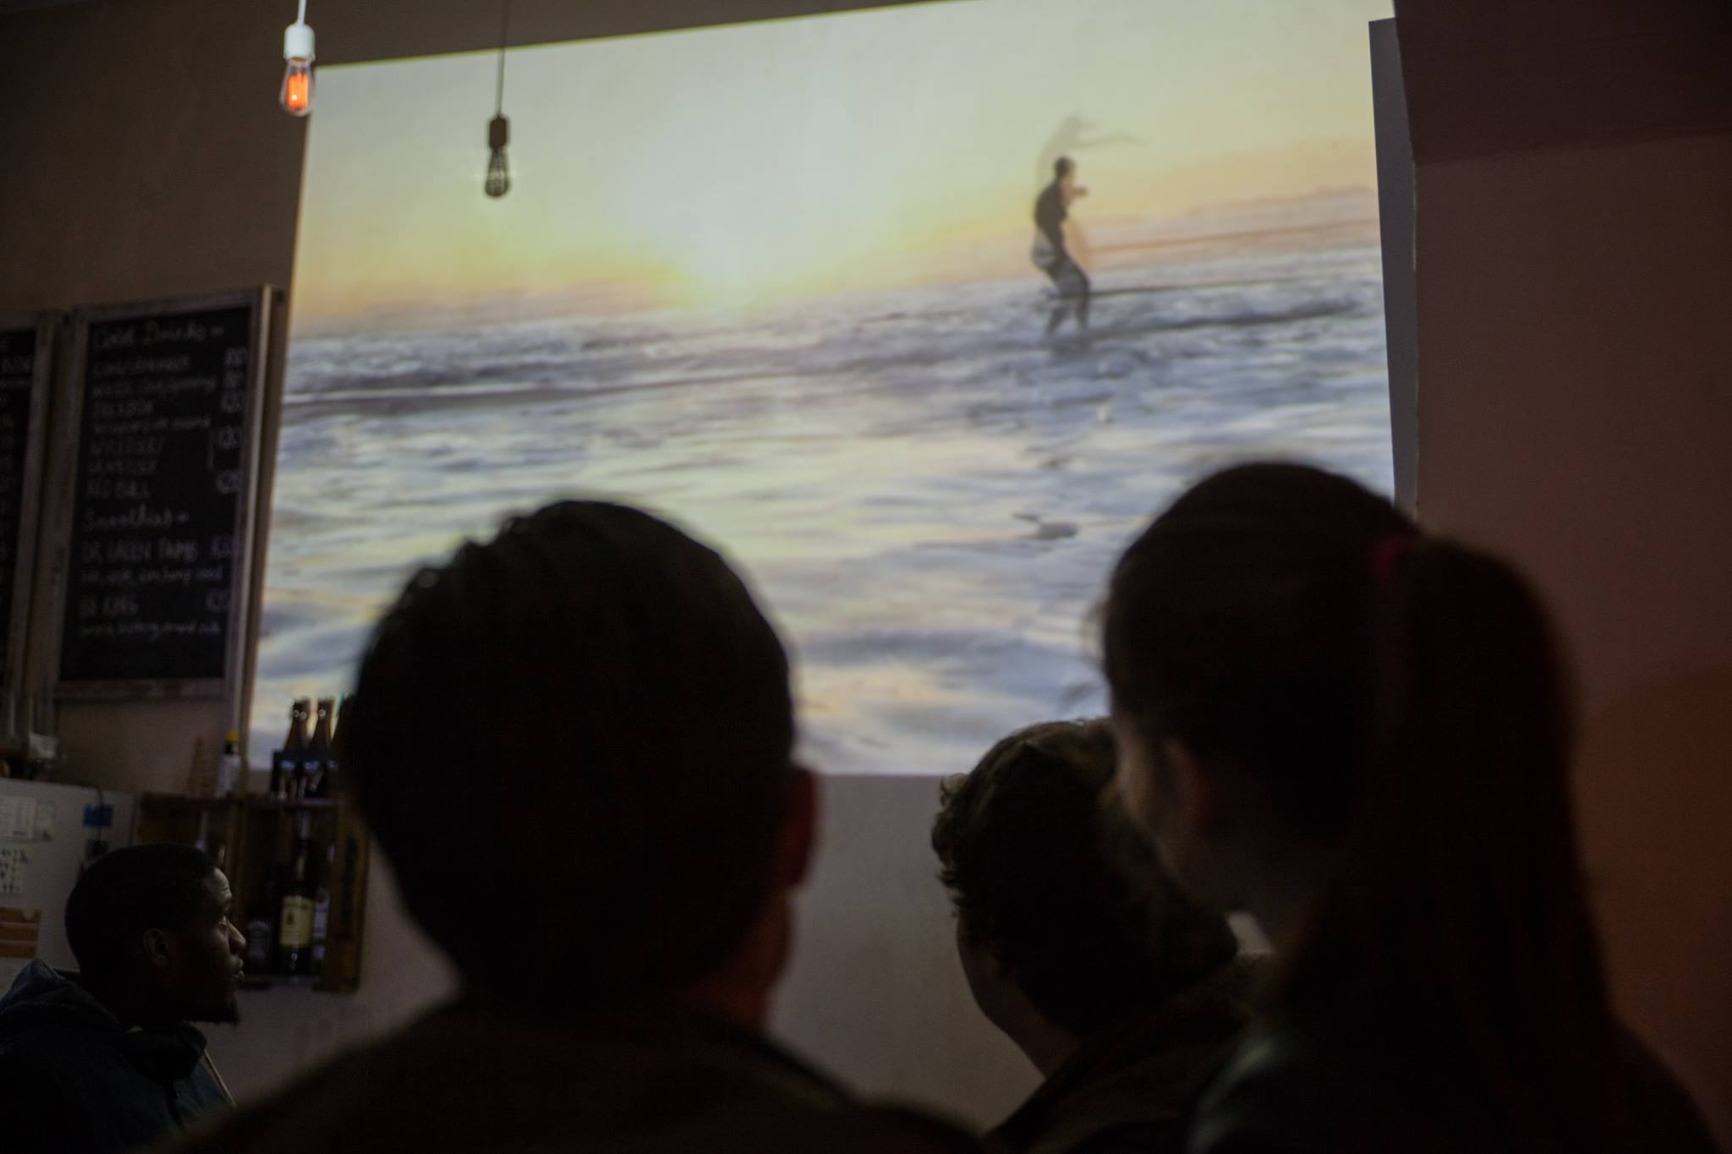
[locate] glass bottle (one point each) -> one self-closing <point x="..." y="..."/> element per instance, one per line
<point x="316" y="762"/>
<point x="295" y="923"/>
<point x="286" y="762"/>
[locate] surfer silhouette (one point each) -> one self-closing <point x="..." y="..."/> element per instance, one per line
<point x="1052" y="255"/>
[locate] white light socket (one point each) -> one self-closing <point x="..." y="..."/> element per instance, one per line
<point x="298" y="42"/>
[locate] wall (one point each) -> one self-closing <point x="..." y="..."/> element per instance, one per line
<point x="146" y="158"/>
<point x="1575" y="349"/>
<point x="383" y="29"/>
<point x="285" y="1030"/>
<point x="1395" y="210"/>
<point x="1573" y="241"/>
<point x="1575" y="337"/>
<point x="123" y="183"/>
<point x="874" y="993"/>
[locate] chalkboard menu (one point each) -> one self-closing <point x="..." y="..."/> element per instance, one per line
<point x="159" y="537"/>
<point x="23" y="373"/>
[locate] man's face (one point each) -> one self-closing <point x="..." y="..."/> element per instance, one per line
<point x="205" y="968"/>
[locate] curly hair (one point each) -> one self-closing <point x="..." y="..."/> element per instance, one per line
<point x="1047" y="874"/>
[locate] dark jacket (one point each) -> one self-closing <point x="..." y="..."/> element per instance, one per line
<point x="73" y="1079"/>
<point x="472" y="1079"/>
<point x="1319" y="1085"/>
<point x="1126" y="1091"/>
<point x="1049" y="217"/>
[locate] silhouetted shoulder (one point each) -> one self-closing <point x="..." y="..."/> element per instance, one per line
<point x="1309" y="1086"/>
<point x="1128" y="1089"/>
<point x="1309" y="1089"/>
<point x="1663" y="1110"/>
<point x="901" y="1128"/>
<point x="462" y="1080"/>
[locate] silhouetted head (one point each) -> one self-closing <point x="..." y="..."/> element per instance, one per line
<point x="1063" y="167"/>
<point x="1054" y="891"/>
<point x="574" y="744"/>
<point x="1240" y="624"/>
<point x="1294" y="666"/>
<point x="149" y="926"/>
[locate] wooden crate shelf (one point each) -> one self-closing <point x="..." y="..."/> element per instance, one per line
<point x="253" y="836"/>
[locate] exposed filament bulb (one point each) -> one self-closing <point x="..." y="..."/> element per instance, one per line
<point x="297" y="94"/>
<point x="498" y="171"/>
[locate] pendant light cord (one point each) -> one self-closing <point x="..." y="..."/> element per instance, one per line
<point x="301" y="16"/>
<point x="504" y="36"/>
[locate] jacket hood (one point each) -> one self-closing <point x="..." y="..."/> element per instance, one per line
<point x="46" y="1003"/>
<point x="41" y="996"/>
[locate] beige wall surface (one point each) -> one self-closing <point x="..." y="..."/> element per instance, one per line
<point x="1500" y="76"/>
<point x="874" y="994"/>
<point x="284" y="1031"/>
<point x="145" y="158"/>
<point x="385" y="29"/>
<point x="1575" y="367"/>
<point x="1574" y="338"/>
<point x="145" y="154"/>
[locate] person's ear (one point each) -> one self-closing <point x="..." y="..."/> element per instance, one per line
<point x="1000" y="969"/>
<point x="982" y="962"/>
<point x="799" y="838"/>
<point x="1197" y="798"/>
<point x="158" y="947"/>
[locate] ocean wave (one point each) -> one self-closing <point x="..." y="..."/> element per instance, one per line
<point x="927" y="492"/>
<point x="975" y="328"/>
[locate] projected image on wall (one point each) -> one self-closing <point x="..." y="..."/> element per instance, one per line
<point x="919" y="312"/>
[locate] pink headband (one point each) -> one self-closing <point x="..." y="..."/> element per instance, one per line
<point x="1387" y="554"/>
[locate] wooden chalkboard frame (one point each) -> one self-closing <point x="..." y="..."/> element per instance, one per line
<point x="13" y="675"/>
<point x="67" y="449"/>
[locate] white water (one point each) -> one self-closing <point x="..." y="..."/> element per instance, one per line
<point x="925" y="493"/>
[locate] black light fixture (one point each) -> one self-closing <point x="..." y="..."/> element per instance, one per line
<point x="498" y="181"/>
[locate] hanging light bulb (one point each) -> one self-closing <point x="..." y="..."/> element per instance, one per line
<point x="297" y="94"/>
<point x="498" y="172"/>
<point x="498" y="181"/>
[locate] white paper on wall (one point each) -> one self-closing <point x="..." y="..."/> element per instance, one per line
<point x="13" y="860"/>
<point x="18" y="818"/>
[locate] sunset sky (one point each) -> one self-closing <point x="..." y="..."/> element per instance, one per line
<point x="799" y="157"/>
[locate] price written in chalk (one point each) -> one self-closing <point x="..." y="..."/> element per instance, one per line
<point x="162" y="482"/>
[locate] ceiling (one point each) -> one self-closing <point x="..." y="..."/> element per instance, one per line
<point x="350" y="31"/>
<point x="7" y="6"/>
<point x="357" y="30"/>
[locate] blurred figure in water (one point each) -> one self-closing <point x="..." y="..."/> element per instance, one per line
<point x="1052" y="252"/>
